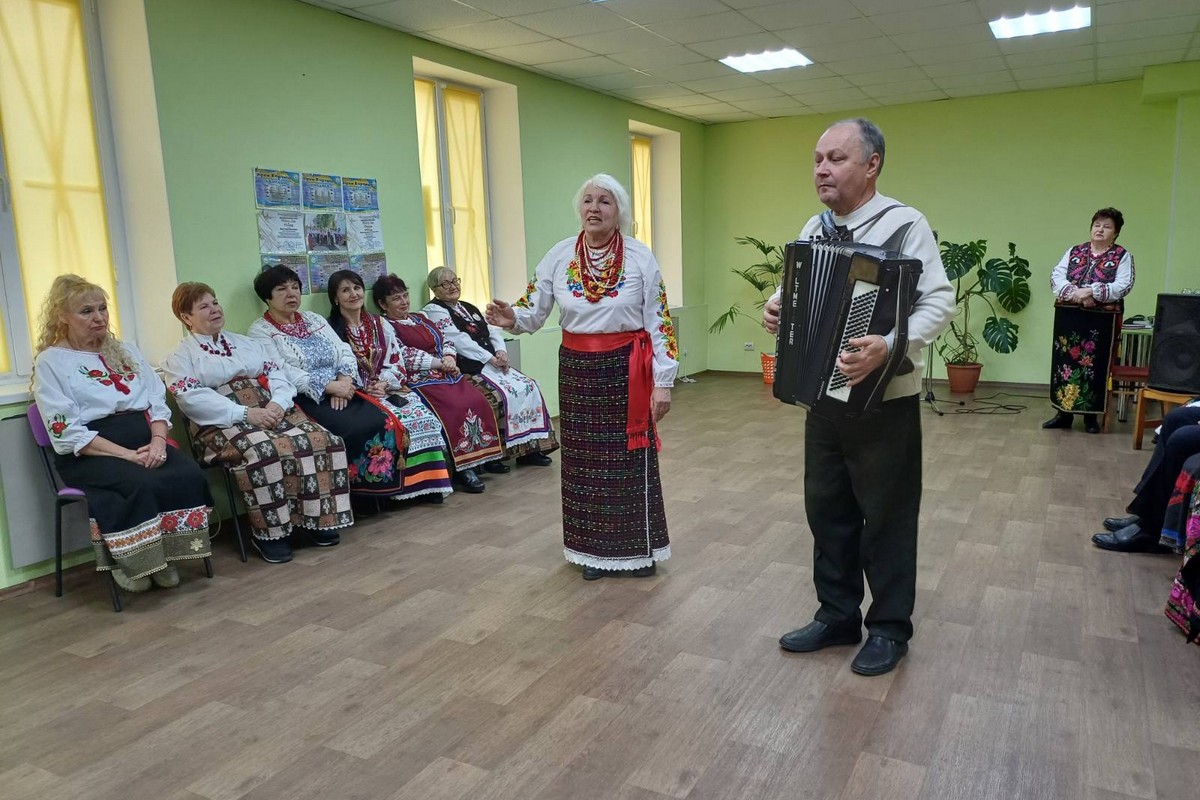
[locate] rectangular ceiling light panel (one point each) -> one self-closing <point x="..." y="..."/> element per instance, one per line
<point x="772" y="59"/>
<point x="1050" y="22"/>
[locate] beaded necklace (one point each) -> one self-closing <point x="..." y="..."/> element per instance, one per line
<point x="363" y="342"/>
<point x="297" y="328"/>
<point x="224" y="349"/>
<point x="600" y="269"/>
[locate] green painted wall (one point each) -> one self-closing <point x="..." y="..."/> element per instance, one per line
<point x="1029" y="168"/>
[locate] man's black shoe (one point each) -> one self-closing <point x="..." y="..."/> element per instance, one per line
<point x="1130" y="539"/>
<point x="817" y="636"/>
<point x="496" y="467"/>
<point x="1115" y="524"/>
<point x="1060" y="420"/>
<point x="469" y="481"/>
<point x="878" y="656"/>
<point x="534" y="459"/>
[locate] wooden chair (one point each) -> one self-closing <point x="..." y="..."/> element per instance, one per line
<point x="1169" y="400"/>
<point x="1127" y="381"/>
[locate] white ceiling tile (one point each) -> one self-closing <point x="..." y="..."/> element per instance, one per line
<point x="578" y="20"/>
<point x="1147" y="28"/>
<point x="659" y="57"/>
<point x="1050" y="56"/>
<point x="900" y="88"/>
<point x="1055" y="81"/>
<point x="835" y="105"/>
<point x="619" y="41"/>
<point x="872" y="7"/>
<point x="850" y="94"/>
<point x="708" y="85"/>
<point x="973" y="34"/>
<point x="733" y="116"/>
<point x="930" y="18"/>
<point x="620" y="81"/>
<point x="1087" y="68"/>
<point x="994" y="9"/>
<point x="890" y="76"/>
<point x="713" y="108"/>
<point x="646" y="12"/>
<point x="512" y="8"/>
<point x="977" y="91"/>
<point x="815" y="85"/>
<point x="1140" y="59"/>
<point x="666" y="91"/>
<point x="1117" y="13"/>
<point x="796" y="14"/>
<point x="811" y="72"/>
<point x="583" y="67"/>
<point x="851" y="30"/>
<point x="536" y="53"/>
<point x="1150" y="45"/>
<point x="708" y="28"/>
<point x="418" y="15"/>
<point x="827" y="53"/>
<point x="974" y="67"/>
<point x="694" y="72"/>
<point x="689" y="100"/>
<point x="739" y="45"/>
<point x="496" y="33"/>
<point x="1047" y="41"/>
<point x="759" y="92"/>
<point x="773" y="106"/>
<point x="915" y="97"/>
<point x="978" y="80"/>
<point x="870" y="64"/>
<point x="955" y="52"/>
<point x="739" y="4"/>
<point x="1118" y="74"/>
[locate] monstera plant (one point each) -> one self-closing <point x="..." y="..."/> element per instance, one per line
<point x="1002" y="284"/>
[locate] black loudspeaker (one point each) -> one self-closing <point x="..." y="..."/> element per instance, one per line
<point x="1175" y="353"/>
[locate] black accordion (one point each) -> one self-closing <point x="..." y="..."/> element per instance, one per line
<point x="833" y="292"/>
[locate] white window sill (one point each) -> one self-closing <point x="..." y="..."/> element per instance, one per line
<point x="14" y="392"/>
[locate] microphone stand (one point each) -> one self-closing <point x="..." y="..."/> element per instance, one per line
<point x="928" y="381"/>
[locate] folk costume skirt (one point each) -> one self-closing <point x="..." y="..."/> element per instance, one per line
<point x="393" y="450"/>
<point x="141" y="518"/>
<point x="294" y="475"/>
<point x="613" y="515"/>
<point x="468" y="420"/>
<point x="1182" y="526"/>
<point x="520" y="409"/>
<point x="1083" y="351"/>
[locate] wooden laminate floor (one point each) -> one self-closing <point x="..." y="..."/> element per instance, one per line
<point x="449" y="652"/>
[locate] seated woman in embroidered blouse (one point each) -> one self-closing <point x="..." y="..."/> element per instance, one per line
<point x="472" y="432"/>
<point x="290" y="470"/>
<point x="525" y="426"/>
<point x="392" y="451"/>
<point x="616" y="367"/>
<point x="107" y="416"/>
<point x="1089" y="284"/>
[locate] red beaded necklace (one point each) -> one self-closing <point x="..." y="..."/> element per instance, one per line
<point x="602" y="272"/>
<point x="363" y="341"/>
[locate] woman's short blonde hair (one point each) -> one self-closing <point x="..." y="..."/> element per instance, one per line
<point x="65" y="294"/>
<point x="186" y="295"/>
<point x="437" y="275"/>
<point x="602" y="180"/>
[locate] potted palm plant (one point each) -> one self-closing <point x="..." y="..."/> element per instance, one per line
<point x="764" y="277"/>
<point x="997" y="282"/>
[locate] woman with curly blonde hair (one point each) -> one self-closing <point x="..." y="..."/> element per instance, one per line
<point x="106" y="413"/>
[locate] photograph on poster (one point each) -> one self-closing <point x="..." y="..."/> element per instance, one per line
<point x="371" y="266"/>
<point x="325" y="233"/>
<point x="281" y="232"/>
<point x="321" y="266"/>
<point x="360" y="194"/>
<point x="322" y="192"/>
<point x="297" y="264"/>
<point x="276" y="188"/>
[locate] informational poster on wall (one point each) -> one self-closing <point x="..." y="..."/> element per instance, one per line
<point x="317" y="224"/>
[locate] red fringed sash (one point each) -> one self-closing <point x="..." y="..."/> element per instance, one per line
<point x="641" y="377"/>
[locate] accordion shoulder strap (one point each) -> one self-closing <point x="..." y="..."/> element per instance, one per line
<point x="831" y="231"/>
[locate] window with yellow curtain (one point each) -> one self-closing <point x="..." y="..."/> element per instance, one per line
<point x="454" y="184"/>
<point x="52" y="209"/>
<point x="643" y="222"/>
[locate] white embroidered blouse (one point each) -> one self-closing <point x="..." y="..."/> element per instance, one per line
<point x="638" y="301"/>
<point x="315" y="355"/>
<point x="199" y="365"/>
<point x="75" y="387"/>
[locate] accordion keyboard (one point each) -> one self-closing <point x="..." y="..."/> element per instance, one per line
<point x="858" y="319"/>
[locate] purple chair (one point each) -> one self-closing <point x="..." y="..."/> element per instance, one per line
<point x="65" y="495"/>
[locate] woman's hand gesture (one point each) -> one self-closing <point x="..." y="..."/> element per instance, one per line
<point x="500" y="314"/>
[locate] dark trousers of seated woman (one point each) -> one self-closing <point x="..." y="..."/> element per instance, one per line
<point x="1178" y="440"/>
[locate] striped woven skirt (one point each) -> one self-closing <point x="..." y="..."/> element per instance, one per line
<point x="613" y="515"/>
<point x="294" y="475"/>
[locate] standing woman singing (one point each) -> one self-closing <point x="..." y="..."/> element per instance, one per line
<point x="616" y="367"/>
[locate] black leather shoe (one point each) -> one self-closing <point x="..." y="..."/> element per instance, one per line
<point x="1115" y="524"/>
<point x="1130" y="539"/>
<point x="496" y="467"/>
<point x="320" y="538"/>
<point x="878" y="656"/>
<point x="1090" y="424"/>
<point x="535" y="459"/>
<point x="593" y="573"/>
<point x="469" y="481"/>
<point x="433" y="498"/>
<point x="1060" y="420"/>
<point x="273" y="551"/>
<point x="643" y="572"/>
<point x="817" y="636"/>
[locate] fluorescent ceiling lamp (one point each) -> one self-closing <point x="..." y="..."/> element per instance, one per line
<point x="1050" y="22"/>
<point x="772" y="59"/>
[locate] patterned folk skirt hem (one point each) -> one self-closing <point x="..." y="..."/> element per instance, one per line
<point x="479" y="462"/>
<point x="616" y="564"/>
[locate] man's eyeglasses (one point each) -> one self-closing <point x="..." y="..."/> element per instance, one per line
<point x="448" y="285"/>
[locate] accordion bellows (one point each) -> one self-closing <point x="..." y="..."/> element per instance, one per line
<point x="833" y="292"/>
